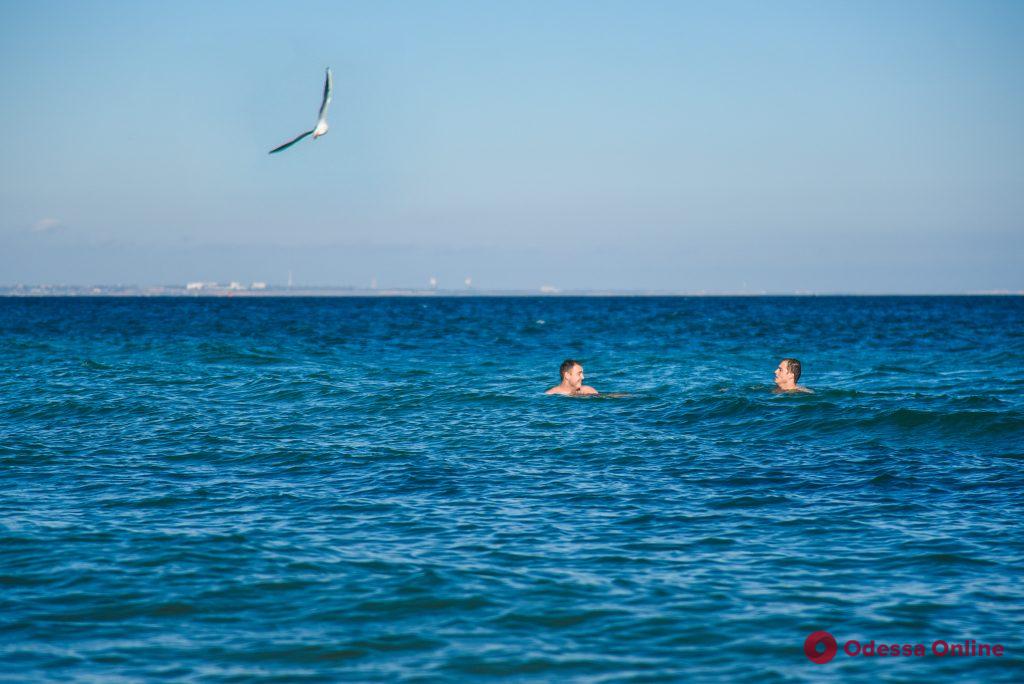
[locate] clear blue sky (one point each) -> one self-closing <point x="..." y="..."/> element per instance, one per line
<point x="825" y="146"/>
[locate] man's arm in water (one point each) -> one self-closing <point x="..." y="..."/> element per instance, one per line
<point x="587" y="389"/>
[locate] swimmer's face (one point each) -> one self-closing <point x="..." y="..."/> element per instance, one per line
<point x="574" y="376"/>
<point x="783" y="376"/>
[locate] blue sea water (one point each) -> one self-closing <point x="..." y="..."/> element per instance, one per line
<point x="377" y="490"/>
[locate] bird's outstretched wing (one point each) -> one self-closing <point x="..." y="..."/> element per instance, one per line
<point x="290" y="142"/>
<point x="328" y="87"/>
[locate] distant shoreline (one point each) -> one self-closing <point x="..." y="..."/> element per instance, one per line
<point x="37" y="291"/>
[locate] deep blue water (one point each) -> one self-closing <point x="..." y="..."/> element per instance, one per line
<point x="376" y="489"/>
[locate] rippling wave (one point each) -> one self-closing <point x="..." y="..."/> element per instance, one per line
<point x="377" y="489"/>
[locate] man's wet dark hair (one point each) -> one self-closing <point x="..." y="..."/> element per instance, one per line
<point x="567" y="366"/>
<point x="794" y="368"/>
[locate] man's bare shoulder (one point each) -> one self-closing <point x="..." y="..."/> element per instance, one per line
<point x="799" y="389"/>
<point x="558" y="389"/>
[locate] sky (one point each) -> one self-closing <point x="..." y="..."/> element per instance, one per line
<point x="724" y="147"/>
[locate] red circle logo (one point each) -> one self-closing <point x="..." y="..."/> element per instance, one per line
<point x="811" y="647"/>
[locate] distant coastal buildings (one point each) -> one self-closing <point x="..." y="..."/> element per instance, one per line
<point x="200" y="285"/>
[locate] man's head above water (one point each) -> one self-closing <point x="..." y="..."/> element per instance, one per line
<point x="571" y="379"/>
<point x="571" y="373"/>
<point x="787" y="375"/>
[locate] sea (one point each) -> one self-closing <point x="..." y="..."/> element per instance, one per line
<point x="377" y="489"/>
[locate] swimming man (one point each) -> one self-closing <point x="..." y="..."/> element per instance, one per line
<point x="786" y="376"/>
<point x="572" y="380"/>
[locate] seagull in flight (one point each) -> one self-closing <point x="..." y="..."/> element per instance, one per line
<point x="321" y="122"/>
